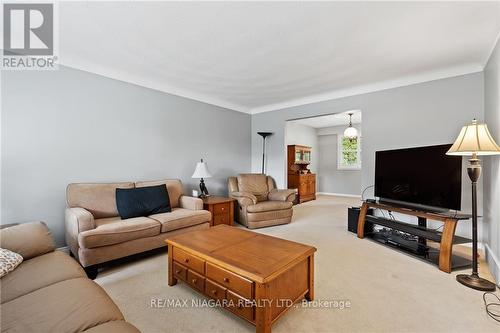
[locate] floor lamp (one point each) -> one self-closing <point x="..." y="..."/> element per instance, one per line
<point x="474" y="140"/>
<point x="264" y="135"/>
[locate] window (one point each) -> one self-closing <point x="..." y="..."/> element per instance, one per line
<point x="349" y="153"/>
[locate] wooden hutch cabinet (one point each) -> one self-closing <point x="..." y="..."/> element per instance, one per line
<point x="299" y="175"/>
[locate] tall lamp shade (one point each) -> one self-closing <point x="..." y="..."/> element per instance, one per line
<point x="474" y="140"/>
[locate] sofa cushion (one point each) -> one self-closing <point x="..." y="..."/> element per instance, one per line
<point x="114" y="230"/>
<point x="144" y="201"/>
<point x="268" y="206"/>
<point x="181" y="218"/>
<point x="118" y="326"/>
<point x="174" y="187"/>
<point x="255" y="184"/>
<point x="28" y="239"/>
<point x="99" y="199"/>
<point x="68" y="306"/>
<point x="49" y="268"/>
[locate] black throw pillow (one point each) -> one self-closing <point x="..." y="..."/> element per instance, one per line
<point x="142" y="201"/>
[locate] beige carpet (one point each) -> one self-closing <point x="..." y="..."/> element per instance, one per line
<point x="388" y="291"/>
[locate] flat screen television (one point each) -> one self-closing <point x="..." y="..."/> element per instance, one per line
<point x="422" y="177"/>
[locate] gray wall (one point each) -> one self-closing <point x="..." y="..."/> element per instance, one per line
<point x="416" y="115"/>
<point x="297" y="134"/>
<point x="330" y="178"/>
<point x="492" y="164"/>
<point x="69" y="126"/>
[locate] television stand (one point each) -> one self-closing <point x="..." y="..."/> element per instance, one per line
<point x="444" y="257"/>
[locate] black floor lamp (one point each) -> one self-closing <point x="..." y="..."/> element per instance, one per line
<point x="264" y="135"/>
<point x="474" y="140"/>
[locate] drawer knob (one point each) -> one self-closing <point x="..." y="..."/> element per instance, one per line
<point x="226" y="279"/>
<point x="186" y="260"/>
<point x="222" y="208"/>
<point x="178" y="271"/>
<point x="214" y="292"/>
<point x="194" y="281"/>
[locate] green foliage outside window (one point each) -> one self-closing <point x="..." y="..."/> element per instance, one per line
<point x="350" y="153"/>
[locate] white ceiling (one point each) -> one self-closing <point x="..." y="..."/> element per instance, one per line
<point x="261" y="56"/>
<point x="338" y="119"/>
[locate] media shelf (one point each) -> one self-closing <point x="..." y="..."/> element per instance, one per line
<point x="395" y="234"/>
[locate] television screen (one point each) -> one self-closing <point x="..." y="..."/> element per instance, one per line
<point x="423" y="176"/>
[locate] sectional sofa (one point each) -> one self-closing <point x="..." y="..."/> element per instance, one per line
<point x="50" y="292"/>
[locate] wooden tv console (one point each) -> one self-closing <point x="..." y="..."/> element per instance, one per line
<point x="446" y="238"/>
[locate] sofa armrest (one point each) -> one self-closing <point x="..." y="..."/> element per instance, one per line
<point x="244" y="198"/>
<point x="191" y="203"/>
<point x="28" y="239"/>
<point x="282" y="195"/>
<point x="78" y="220"/>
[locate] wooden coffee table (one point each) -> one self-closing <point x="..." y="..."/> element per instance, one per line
<point x="256" y="277"/>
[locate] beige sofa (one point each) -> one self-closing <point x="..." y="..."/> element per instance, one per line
<point x="49" y="291"/>
<point x="96" y="234"/>
<point x="260" y="204"/>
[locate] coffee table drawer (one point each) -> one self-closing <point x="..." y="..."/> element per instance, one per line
<point x="189" y="260"/>
<point x="195" y="280"/>
<point x="230" y="280"/>
<point x="213" y="290"/>
<point x="222" y="208"/>
<point x="180" y="272"/>
<point x="242" y="307"/>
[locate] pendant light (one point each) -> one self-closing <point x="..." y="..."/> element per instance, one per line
<point x="351" y="132"/>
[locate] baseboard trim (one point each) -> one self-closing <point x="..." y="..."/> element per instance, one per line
<point x="340" y="194"/>
<point x="64" y="249"/>
<point x="493" y="262"/>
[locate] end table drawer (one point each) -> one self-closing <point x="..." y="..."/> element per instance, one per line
<point x="213" y="290"/>
<point x="188" y="260"/>
<point x="221" y="219"/>
<point x="230" y="280"/>
<point x="222" y="208"/>
<point x="180" y="272"/>
<point x="195" y="280"/>
<point x="242" y="307"/>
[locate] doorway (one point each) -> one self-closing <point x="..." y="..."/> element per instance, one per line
<point x="334" y="158"/>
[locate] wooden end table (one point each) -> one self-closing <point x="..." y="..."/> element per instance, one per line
<point x="222" y="210"/>
<point x="255" y="276"/>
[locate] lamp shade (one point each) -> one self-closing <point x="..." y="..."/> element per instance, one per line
<point x="474" y="139"/>
<point x="201" y="170"/>
<point x="351" y="132"/>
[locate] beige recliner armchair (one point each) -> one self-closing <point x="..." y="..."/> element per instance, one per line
<point x="260" y="204"/>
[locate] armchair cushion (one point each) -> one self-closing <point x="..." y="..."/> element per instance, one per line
<point x="255" y="184"/>
<point x="268" y="206"/>
<point x="251" y="199"/>
<point x="27" y="239"/>
<point x="191" y="203"/>
<point x="282" y="195"/>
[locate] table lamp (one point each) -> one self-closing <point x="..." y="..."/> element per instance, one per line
<point x="474" y="140"/>
<point x="201" y="172"/>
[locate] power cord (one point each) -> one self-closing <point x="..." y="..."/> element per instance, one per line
<point x="493" y="314"/>
<point x="363" y="193"/>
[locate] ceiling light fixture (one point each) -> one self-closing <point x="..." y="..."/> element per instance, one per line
<point x="351" y="132"/>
